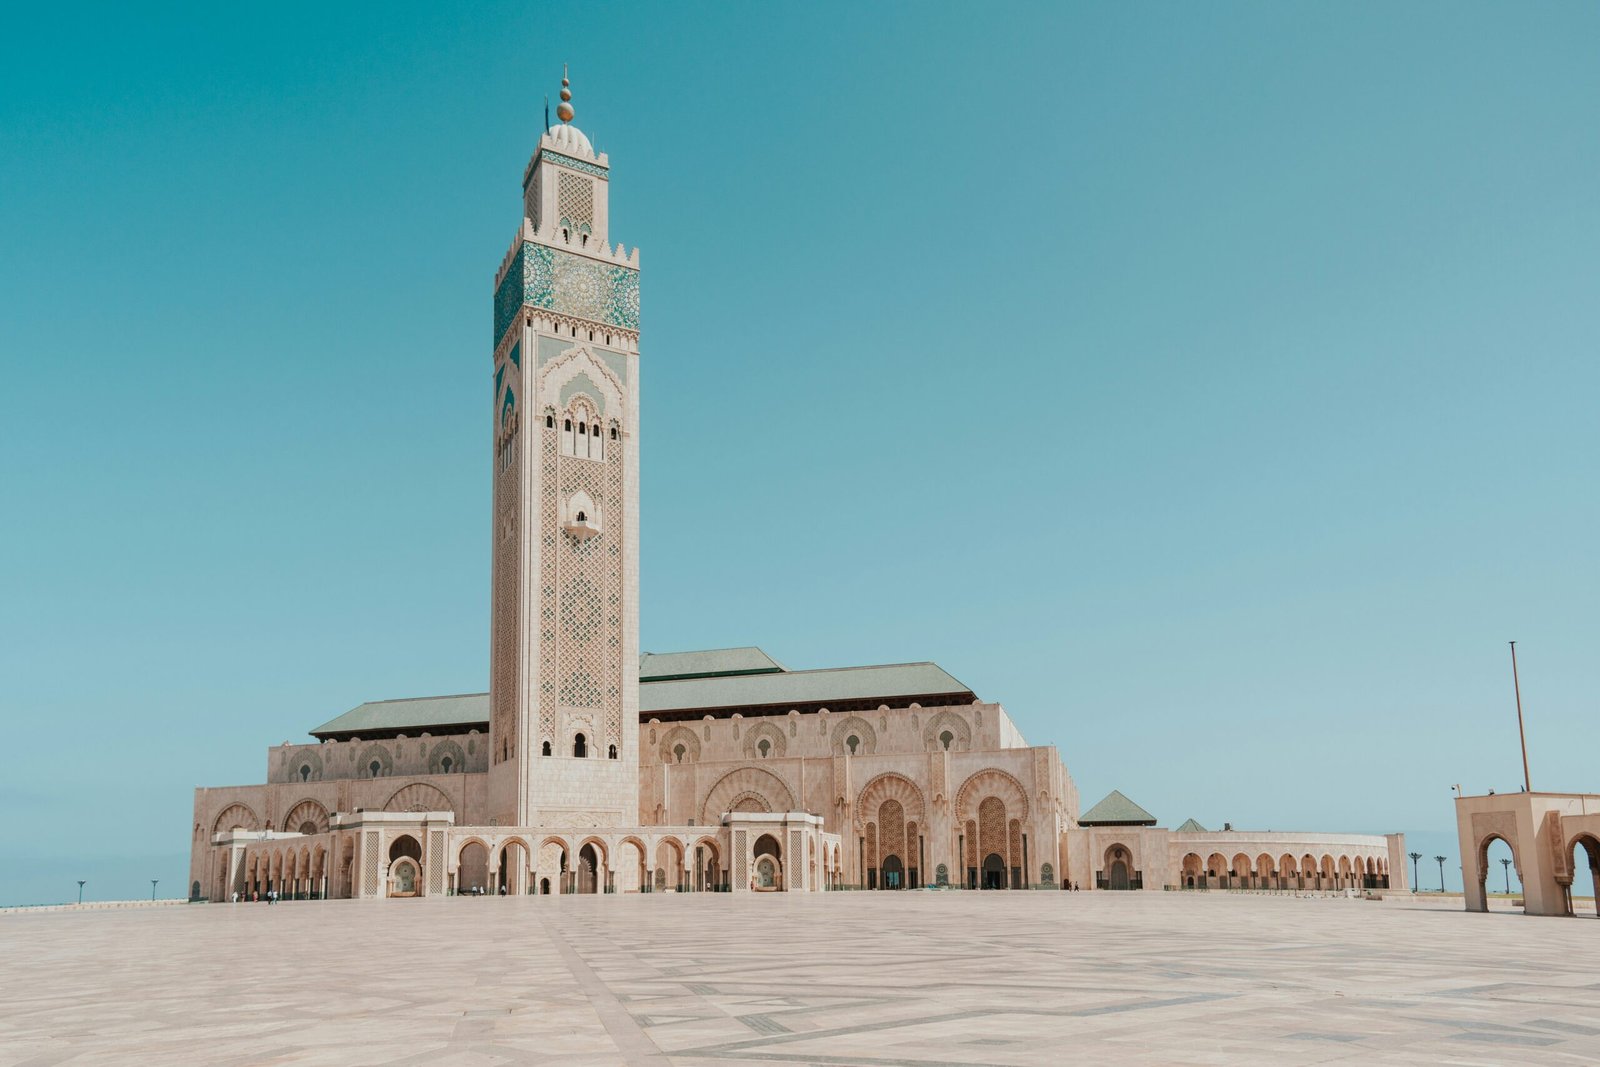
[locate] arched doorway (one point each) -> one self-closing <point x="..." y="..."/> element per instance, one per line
<point x="1118" y="869"/>
<point x="1585" y="854"/>
<point x="893" y="873"/>
<point x="404" y="878"/>
<point x="405" y="867"/>
<point x="994" y="871"/>
<point x="512" y="877"/>
<point x="769" y="863"/>
<point x="472" y="870"/>
<point x="588" y="868"/>
<point x="1494" y="877"/>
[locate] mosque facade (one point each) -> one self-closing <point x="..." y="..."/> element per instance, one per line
<point x="589" y="767"/>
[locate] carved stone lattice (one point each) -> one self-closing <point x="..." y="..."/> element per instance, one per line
<point x="992" y="826"/>
<point x="369" y="865"/>
<point x="575" y="201"/>
<point x="586" y="671"/>
<point x="306" y="817"/>
<point x="892" y="830"/>
<point x="507" y="628"/>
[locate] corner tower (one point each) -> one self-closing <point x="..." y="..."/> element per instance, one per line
<point x="564" y="618"/>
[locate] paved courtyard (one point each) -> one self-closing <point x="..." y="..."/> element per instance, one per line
<point x="844" y="978"/>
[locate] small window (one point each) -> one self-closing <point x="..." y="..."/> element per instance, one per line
<point x="580" y="746"/>
<point x="305" y="772"/>
<point x="446" y="764"/>
<point x="595" y="430"/>
<point x="678" y="751"/>
<point x="546" y="748"/>
<point x="580" y="428"/>
<point x="549" y="422"/>
<point x="611" y="753"/>
<point x="374" y="767"/>
<point x="613" y="433"/>
<point x="566" y="424"/>
<point x="582" y="517"/>
<point x="765" y="747"/>
<point x="945" y="739"/>
<point x="853" y="742"/>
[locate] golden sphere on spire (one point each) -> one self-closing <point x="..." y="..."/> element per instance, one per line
<point x="564" y="110"/>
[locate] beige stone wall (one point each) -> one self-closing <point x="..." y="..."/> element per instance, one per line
<point x="936" y="798"/>
<point x="1166" y="859"/>
<point x="971" y="727"/>
<point x="421" y="755"/>
<point x="283" y="807"/>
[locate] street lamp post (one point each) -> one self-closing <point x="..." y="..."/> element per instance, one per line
<point x="153" y="882"/>
<point x="1440" y="860"/>
<point x="80" y="889"/>
<point x="1507" y="865"/>
<point x="1415" y="856"/>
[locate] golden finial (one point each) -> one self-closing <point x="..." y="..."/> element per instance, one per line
<point x="564" y="110"/>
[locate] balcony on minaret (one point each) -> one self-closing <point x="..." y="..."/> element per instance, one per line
<point x="582" y="519"/>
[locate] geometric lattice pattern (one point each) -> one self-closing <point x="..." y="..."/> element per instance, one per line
<point x="575" y="202"/>
<point x="581" y="590"/>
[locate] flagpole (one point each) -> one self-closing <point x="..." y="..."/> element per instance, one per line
<point x="1527" y="785"/>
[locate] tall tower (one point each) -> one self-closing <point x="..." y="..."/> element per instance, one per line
<point x="564" y="626"/>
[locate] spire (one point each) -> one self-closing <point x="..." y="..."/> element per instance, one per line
<point x="564" y="110"/>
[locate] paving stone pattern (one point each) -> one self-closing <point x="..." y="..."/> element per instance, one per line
<point x="840" y="978"/>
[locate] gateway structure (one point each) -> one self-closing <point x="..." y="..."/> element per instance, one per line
<point x="589" y="767"/>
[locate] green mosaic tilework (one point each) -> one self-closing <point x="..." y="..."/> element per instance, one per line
<point x="576" y="164"/>
<point x="569" y="284"/>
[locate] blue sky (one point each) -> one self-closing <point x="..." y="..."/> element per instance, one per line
<point x="1211" y="385"/>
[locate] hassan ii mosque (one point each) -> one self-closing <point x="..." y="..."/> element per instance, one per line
<point x="590" y="768"/>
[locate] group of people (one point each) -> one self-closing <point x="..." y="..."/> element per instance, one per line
<point x="255" y="895"/>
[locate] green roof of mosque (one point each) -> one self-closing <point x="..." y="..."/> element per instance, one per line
<point x="416" y="714"/>
<point x="1191" y="827"/>
<point x="682" y="685"/>
<point x="888" y="683"/>
<point x="712" y="663"/>
<point x="1116" y="810"/>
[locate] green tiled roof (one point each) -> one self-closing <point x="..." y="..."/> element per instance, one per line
<point x="886" y="683"/>
<point x="414" y="715"/>
<point x="1191" y="827"/>
<point x="712" y="663"/>
<point x="683" y="683"/>
<point x="1116" y="810"/>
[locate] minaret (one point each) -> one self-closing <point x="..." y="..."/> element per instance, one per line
<point x="564" y="617"/>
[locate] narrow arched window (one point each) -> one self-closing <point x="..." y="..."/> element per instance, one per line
<point x="446" y="764"/>
<point x="580" y="746"/>
<point x="765" y="746"/>
<point x="678" y="751"/>
<point x="374" y="767"/>
<point x="546" y="749"/>
<point x="945" y="739"/>
<point x="549" y="422"/>
<point x="853" y="742"/>
<point x="612" y="752"/>
<point x="613" y="433"/>
<point x="305" y="772"/>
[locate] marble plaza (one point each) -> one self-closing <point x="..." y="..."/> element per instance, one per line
<point x="839" y="978"/>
